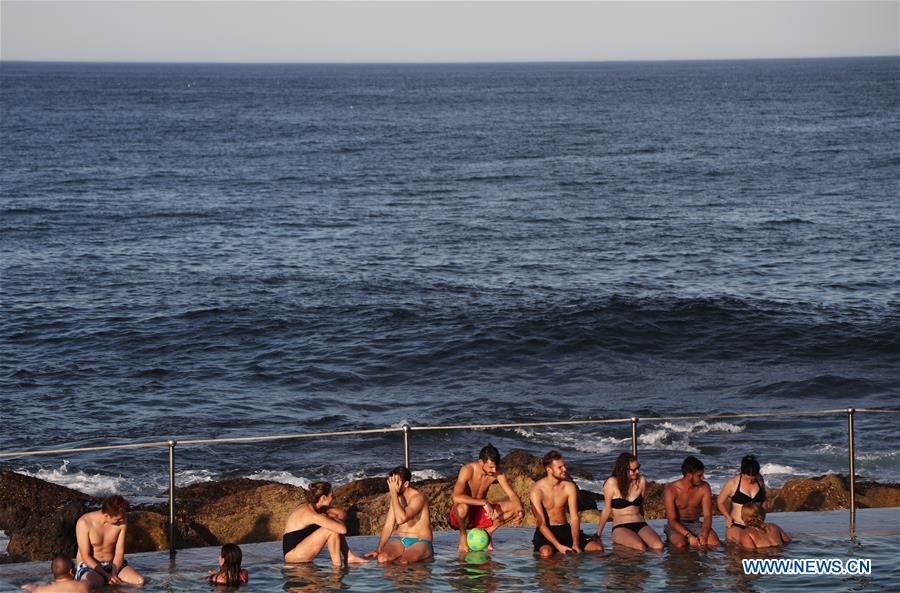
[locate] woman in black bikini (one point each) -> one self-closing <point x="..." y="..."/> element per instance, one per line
<point x="623" y="492"/>
<point x="746" y="487"/>
<point x="313" y="526"/>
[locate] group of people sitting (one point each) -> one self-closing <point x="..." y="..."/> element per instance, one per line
<point x="407" y="537"/>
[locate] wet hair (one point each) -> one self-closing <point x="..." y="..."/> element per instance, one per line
<point x="620" y="472"/>
<point x="749" y="465"/>
<point x="550" y="457"/>
<point x="115" y="506"/>
<point x="231" y="564"/>
<point x="489" y="453"/>
<point x="403" y="472"/>
<point x="691" y="465"/>
<point x="753" y="515"/>
<point x="61" y="566"/>
<point x="316" y="491"/>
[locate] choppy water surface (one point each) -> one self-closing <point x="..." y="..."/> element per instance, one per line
<point x="205" y="251"/>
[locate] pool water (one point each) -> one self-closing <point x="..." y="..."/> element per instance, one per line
<point x="513" y="567"/>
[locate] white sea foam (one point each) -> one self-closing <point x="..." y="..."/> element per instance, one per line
<point x="663" y="439"/>
<point x="282" y="477"/>
<point x="575" y="441"/>
<point x="774" y="469"/>
<point x="92" y="484"/>
<point x="701" y="426"/>
<point x="427" y="474"/>
<point x="861" y="455"/>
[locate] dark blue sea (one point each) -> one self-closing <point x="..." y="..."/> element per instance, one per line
<point x="202" y="251"/>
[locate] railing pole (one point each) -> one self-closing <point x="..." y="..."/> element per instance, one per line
<point x="852" y="451"/>
<point x="634" y="422"/>
<point x="406" y="445"/>
<point x="172" y="497"/>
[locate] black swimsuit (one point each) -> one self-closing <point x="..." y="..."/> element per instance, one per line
<point x="624" y="503"/>
<point x="741" y="498"/>
<point x="290" y="539"/>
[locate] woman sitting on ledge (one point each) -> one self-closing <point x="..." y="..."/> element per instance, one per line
<point x="745" y="488"/>
<point x="757" y="533"/>
<point x="313" y="526"/>
<point x="623" y="495"/>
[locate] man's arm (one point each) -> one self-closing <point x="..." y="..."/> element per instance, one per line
<point x="574" y="519"/>
<point x="607" y="508"/>
<point x="386" y="532"/>
<point x="706" y="527"/>
<point x="410" y="511"/>
<point x="513" y="497"/>
<point x="118" y="556"/>
<point x="462" y="485"/>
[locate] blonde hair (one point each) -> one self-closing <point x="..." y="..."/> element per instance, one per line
<point x="753" y="515"/>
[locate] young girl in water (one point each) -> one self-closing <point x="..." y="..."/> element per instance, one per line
<point x="757" y="533"/>
<point x="230" y="571"/>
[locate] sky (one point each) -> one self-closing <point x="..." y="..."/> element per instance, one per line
<point x="416" y="31"/>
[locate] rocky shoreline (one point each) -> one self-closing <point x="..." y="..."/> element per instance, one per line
<point x="39" y="517"/>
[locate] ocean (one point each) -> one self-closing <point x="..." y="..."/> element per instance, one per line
<point x="204" y="251"/>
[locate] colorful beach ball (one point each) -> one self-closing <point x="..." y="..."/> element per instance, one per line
<point x="477" y="539"/>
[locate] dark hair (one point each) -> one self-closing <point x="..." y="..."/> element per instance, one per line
<point x="550" y="457"/>
<point x="231" y="564"/>
<point x="316" y="491"/>
<point x="403" y="472"/>
<point x="115" y="506"/>
<point x="61" y="566"/>
<point x="749" y="465"/>
<point x="620" y="472"/>
<point x="490" y="453"/>
<point x="691" y="465"/>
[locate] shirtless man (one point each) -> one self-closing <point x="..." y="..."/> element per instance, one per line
<point x="470" y="506"/>
<point x="409" y="514"/>
<point x="685" y="500"/>
<point x="63" y="579"/>
<point x="551" y="497"/>
<point x="101" y="546"/>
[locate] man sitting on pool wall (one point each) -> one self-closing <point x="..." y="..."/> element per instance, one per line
<point x="551" y="497"/>
<point x="685" y="500"/>
<point x="471" y="508"/>
<point x="410" y="515"/>
<point x="101" y="546"/>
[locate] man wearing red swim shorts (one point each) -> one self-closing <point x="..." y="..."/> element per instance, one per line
<point x="471" y="508"/>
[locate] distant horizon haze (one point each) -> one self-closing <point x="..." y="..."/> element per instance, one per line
<point x="443" y="32"/>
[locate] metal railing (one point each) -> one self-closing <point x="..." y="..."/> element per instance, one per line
<point x="406" y="429"/>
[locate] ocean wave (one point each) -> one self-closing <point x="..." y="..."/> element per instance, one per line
<point x="427" y="474"/>
<point x="280" y="476"/>
<point x="91" y="484"/>
<point x="576" y="441"/>
<point x="701" y="426"/>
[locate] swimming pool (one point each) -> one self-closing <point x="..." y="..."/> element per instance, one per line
<point x="512" y="567"/>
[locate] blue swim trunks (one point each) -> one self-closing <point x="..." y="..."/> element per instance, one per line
<point x="84" y="568"/>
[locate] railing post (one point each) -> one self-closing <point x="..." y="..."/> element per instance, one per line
<point x="852" y="452"/>
<point x="172" y="497"/>
<point x="634" y="422"/>
<point x="406" y="445"/>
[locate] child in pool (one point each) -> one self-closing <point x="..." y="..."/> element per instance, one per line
<point x="230" y="571"/>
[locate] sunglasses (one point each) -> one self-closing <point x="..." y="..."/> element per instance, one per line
<point x="634" y="469"/>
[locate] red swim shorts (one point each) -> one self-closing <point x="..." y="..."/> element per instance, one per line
<point x="477" y="517"/>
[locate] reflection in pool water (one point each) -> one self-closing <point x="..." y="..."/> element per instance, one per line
<point x="513" y="567"/>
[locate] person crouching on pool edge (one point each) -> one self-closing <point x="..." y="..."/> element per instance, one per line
<point x="757" y="533"/>
<point x="471" y="508"/>
<point x="623" y="495"/>
<point x="551" y="497"/>
<point x="744" y="488"/>
<point x="408" y="513"/>
<point x="314" y="525"/>
<point x="685" y="500"/>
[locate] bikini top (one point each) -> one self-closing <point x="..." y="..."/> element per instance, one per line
<point x="740" y="498"/>
<point x="624" y="503"/>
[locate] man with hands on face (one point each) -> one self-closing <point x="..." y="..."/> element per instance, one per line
<point x="408" y="514"/>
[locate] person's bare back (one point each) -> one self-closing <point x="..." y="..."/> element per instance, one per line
<point x="63" y="579"/>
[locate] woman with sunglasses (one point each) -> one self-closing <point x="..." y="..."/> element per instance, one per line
<point x="623" y="493"/>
